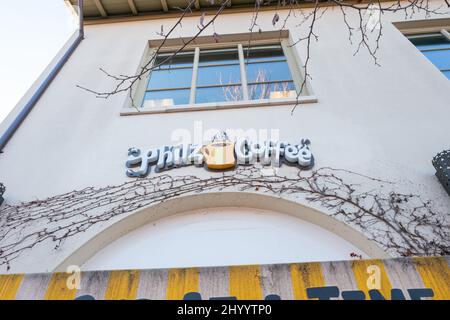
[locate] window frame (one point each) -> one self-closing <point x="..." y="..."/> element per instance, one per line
<point x="442" y="33"/>
<point x="424" y="28"/>
<point x="134" y="104"/>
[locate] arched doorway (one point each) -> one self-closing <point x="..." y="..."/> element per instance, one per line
<point x="294" y="223"/>
<point x="220" y="237"/>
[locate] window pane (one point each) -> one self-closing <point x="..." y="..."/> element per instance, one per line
<point x="432" y="42"/>
<point x="272" y="90"/>
<point x="218" y="94"/>
<point x="222" y="56"/>
<point x="440" y="58"/>
<point x="436" y="48"/>
<point x="170" y="78"/>
<point x="166" y="98"/>
<point x="218" y="75"/>
<point x="181" y="59"/>
<point x="268" y="71"/>
<point x="259" y="53"/>
<point x="442" y="45"/>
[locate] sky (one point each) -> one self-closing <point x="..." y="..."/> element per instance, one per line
<point x="31" y="33"/>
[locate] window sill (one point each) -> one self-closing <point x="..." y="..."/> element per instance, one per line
<point x="218" y="106"/>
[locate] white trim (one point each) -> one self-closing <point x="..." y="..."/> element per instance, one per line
<point x="243" y="72"/>
<point x="414" y="27"/>
<point x="219" y="105"/>
<point x="292" y="64"/>
<point x="446" y="34"/>
<point x="140" y="86"/>
<point x="194" y="76"/>
<point x="300" y="70"/>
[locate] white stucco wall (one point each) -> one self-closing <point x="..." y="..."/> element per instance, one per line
<point x="387" y="122"/>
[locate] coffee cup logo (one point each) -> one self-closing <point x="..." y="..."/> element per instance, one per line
<point x="219" y="155"/>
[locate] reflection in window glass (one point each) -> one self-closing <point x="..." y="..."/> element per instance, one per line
<point x="268" y="71"/>
<point x="219" y="57"/>
<point x="181" y="59"/>
<point x="218" y="75"/>
<point x="218" y="94"/>
<point x="440" y="58"/>
<point x="263" y="53"/>
<point x="268" y="74"/>
<point x="173" y="73"/>
<point x="218" y="68"/>
<point x="274" y="90"/>
<point x="430" y="41"/>
<point x="166" y="98"/>
<point x="436" y="47"/>
<point x="170" y="78"/>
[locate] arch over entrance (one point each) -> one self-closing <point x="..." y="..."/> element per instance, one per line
<point x="230" y="200"/>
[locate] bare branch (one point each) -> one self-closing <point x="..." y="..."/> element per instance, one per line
<point x="403" y="224"/>
<point x="368" y="29"/>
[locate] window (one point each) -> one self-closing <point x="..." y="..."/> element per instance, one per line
<point x="268" y="73"/>
<point x="218" y="76"/>
<point x="170" y="83"/>
<point x="233" y="73"/>
<point x="436" y="47"/>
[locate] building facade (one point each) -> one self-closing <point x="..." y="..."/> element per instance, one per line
<point x="223" y="154"/>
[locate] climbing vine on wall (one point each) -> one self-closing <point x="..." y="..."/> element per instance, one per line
<point x="402" y="224"/>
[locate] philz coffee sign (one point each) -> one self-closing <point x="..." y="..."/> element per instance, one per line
<point x="220" y="154"/>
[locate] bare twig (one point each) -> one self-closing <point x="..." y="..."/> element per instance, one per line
<point x="369" y="38"/>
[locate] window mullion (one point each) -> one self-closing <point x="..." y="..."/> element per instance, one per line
<point x="194" y="75"/>
<point x="243" y="72"/>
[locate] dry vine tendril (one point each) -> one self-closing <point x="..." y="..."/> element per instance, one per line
<point x="401" y="224"/>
